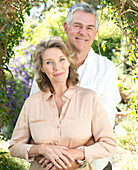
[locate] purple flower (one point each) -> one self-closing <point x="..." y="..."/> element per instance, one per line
<point x="21" y="42"/>
<point x="32" y="47"/>
<point x="23" y="51"/>
<point x="27" y="55"/>
<point x="17" y="59"/>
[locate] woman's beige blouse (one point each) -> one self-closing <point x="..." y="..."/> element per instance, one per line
<point x="82" y="117"/>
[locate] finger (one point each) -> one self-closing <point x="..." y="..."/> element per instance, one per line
<point x="65" y="160"/>
<point x="49" y="166"/>
<point x="58" y="165"/>
<point x="61" y="163"/>
<point x="53" y="168"/>
<point x="46" y="163"/>
<point x="68" y="155"/>
<point x="42" y="160"/>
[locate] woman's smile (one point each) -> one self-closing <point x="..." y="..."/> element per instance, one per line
<point x="58" y="74"/>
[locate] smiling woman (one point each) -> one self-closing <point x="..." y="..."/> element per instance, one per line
<point x="52" y="54"/>
<point x="55" y="66"/>
<point x="60" y="123"/>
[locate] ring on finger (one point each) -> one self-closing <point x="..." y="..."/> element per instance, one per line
<point x="57" y="160"/>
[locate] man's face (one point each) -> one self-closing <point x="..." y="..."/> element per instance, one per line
<point x="81" y="31"/>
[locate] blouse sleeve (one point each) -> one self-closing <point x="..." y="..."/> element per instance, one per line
<point x="19" y="146"/>
<point x="105" y="144"/>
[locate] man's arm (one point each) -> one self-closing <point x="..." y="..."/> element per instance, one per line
<point x="34" y="87"/>
<point x="110" y="95"/>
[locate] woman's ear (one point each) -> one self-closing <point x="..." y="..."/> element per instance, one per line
<point x="42" y="69"/>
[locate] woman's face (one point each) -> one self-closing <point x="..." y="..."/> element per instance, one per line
<point x="55" y="65"/>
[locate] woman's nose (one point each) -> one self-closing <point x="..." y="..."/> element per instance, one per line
<point x="56" y="66"/>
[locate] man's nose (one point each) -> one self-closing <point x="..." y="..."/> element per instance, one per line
<point x="83" y="31"/>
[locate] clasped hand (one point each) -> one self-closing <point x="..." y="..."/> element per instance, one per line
<point x="55" y="157"/>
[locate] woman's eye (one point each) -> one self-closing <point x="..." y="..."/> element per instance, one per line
<point x="62" y="59"/>
<point x="48" y="62"/>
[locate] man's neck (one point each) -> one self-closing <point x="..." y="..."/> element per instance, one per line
<point x="80" y="58"/>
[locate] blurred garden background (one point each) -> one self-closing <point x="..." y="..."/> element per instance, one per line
<point x="24" y="23"/>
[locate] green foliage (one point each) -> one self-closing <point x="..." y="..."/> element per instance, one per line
<point x="109" y="39"/>
<point x="8" y="162"/>
<point x="11" y="29"/>
<point x="127" y="140"/>
<point x="52" y="25"/>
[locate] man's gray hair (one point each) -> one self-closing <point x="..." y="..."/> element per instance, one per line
<point x="82" y="7"/>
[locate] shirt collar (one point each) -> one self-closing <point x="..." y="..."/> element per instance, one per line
<point x="90" y="58"/>
<point x="68" y="93"/>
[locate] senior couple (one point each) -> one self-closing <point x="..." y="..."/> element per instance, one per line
<point x="67" y="121"/>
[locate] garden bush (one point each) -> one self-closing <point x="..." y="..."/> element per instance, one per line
<point x="9" y="163"/>
<point x="19" y="82"/>
<point x="126" y="157"/>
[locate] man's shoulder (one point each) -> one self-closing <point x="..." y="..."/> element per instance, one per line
<point x="102" y="59"/>
<point x="99" y="59"/>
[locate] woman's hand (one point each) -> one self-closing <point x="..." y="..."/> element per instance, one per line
<point x="77" y="154"/>
<point x="47" y="164"/>
<point x="56" y="155"/>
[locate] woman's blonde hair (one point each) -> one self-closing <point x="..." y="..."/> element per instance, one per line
<point x="43" y="81"/>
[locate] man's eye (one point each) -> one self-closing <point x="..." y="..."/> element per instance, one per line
<point x="77" y="25"/>
<point x="90" y="28"/>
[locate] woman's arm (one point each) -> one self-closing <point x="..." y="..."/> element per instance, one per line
<point x="59" y="156"/>
<point x="76" y="154"/>
<point x="20" y="146"/>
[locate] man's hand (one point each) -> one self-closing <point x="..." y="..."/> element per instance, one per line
<point x="45" y="163"/>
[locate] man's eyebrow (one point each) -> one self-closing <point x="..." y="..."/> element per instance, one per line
<point x="78" y="23"/>
<point x="82" y="24"/>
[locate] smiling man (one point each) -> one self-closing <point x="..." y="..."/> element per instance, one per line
<point x="95" y="72"/>
<point x="81" y="32"/>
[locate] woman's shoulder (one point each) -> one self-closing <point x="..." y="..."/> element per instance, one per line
<point x="85" y="91"/>
<point x="36" y="96"/>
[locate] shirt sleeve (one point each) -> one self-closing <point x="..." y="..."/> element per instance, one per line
<point x="105" y="144"/>
<point x="19" y="146"/>
<point x="110" y="95"/>
<point x="34" y="87"/>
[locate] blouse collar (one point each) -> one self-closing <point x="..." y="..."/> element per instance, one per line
<point x="68" y="93"/>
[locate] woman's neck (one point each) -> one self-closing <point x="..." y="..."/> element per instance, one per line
<point x="58" y="93"/>
<point x="59" y="90"/>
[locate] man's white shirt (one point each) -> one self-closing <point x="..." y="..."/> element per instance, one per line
<point x="99" y="74"/>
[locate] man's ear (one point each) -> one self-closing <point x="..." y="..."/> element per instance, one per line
<point x="97" y="31"/>
<point x="65" y="28"/>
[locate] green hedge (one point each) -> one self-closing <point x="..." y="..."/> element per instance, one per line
<point x="9" y="163"/>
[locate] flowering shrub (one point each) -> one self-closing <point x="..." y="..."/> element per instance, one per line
<point x="7" y="162"/>
<point x="18" y="86"/>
